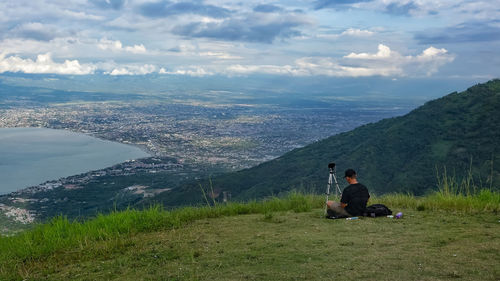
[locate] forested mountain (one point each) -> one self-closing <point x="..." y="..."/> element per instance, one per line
<point x="459" y="132"/>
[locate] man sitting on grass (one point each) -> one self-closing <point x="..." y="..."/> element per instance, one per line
<point x="353" y="200"/>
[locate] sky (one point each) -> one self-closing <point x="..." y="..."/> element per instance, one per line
<point x="390" y="39"/>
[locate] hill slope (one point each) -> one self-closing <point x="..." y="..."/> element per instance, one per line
<point x="459" y="132"/>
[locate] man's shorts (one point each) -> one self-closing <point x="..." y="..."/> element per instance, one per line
<point x="338" y="211"/>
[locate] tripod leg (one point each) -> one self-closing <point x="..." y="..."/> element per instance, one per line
<point x="337" y="186"/>
<point x="328" y="192"/>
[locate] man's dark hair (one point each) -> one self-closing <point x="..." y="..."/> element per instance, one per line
<point x="350" y="173"/>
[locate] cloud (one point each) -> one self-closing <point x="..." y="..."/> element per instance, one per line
<point x="431" y="59"/>
<point x="166" y="8"/>
<point x="322" y="4"/>
<point x="357" y="32"/>
<point x="82" y="15"/>
<point x="108" y="4"/>
<point x="250" y="29"/>
<point x="451" y="10"/>
<point x="133" y="70"/>
<point x="35" y="30"/>
<point x="393" y="7"/>
<point x="267" y="8"/>
<point x="398" y="8"/>
<point x="43" y="64"/>
<point x="262" y="69"/>
<point x="467" y="32"/>
<point x="195" y="71"/>
<point x="311" y="66"/>
<point x="383" y="53"/>
<point x="383" y="63"/>
<point x="106" y="44"/>
<point x="220" y="55"/>
<point x="350" y="32"/>
<point x="392" y="63"/>
<point x="330" y="67"/>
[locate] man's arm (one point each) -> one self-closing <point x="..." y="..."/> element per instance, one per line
<point x="344" y="198"/>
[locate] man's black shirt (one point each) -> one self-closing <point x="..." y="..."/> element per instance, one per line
<point x="355" y="196"/>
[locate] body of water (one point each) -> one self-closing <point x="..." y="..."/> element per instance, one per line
<point x="30" y="156"/>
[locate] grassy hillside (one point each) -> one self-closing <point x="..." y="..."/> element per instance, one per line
<point x="440" y="237"/>
<point x="457" y="134"/>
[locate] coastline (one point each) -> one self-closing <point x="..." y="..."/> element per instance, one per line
<point x="147" y="153"/>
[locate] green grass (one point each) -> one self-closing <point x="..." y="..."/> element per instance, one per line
<point x="439" y="238"/>
<point x="483" y="201"/>
<point x="60" y="234"/>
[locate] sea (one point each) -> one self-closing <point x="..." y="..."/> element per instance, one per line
<point x="31" y="156"/>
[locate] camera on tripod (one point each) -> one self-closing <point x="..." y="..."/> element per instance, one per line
<point x="331" y="179"/>
<point x="331" y="166"/>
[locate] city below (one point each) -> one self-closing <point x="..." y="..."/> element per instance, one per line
<point x="186" y="140"/>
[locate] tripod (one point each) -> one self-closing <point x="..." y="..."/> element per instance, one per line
<point x="331" y="178"/>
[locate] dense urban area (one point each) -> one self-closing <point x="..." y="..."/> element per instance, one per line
<point x="235" y="136"/>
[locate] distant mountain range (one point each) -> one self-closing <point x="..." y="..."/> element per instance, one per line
<point x="459" y="132"/>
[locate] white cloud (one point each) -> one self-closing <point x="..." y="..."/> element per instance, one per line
<point x="427" y="62"/>
<point x="431" y="53"/>
<point x="116" y="45"/>
<point x="193" y="71"/>
<point x="432" y="58"/>
<point x="346" y="34"/>
<point x="133" y="70"/>
<point x="315" y="42"/>
<point x="330" y="67"/>
<point x="383" y="63"/>
<point x="33" y="47"/>
<point x="82" y="15"/>
<point x="383" y="52"/>
<point x="312" y="66"/>
<point x="43" y="64"/>
<point x="31" y="26"/>
<point x="239" y="69"/>
<point x="220" y="55"/>
<point x="136" y="49"/>
<point x="357" y="32"/>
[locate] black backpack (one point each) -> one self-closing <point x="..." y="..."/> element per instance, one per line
<point x="377" y="210"/>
